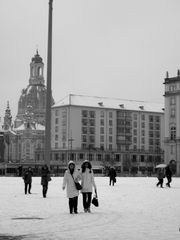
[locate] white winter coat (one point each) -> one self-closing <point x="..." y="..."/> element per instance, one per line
<point x="87" y="182"/>
<point x="68" y="182"/>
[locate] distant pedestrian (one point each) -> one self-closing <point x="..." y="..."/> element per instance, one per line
<point x="71" y="175"/>
<point x="168" y="173"/>
<point x="160" y="176"/>
<point x="112" y="176"/>
<point x="28" y="180"/>
<point x="88" y="184"/>
<point x="45" y="178"/>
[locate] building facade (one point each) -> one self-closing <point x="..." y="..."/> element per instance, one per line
<point x="24" y="138"/>
<point x="126" y="134"/>
<point x="172" y="120"/>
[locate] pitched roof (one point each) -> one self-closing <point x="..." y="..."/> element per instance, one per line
<point x="110" y="103"/>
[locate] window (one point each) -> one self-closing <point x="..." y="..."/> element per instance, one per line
<point x="143" y="140"/>
<point x="173" y="132"/>
<point x="84" y="122"/>
<point x="102" y="138"/>
<point x="135" y="132"/>
<point x="142" y="158"/>
<point x="135" y="116"/>
<point x="56" y="112"/>
<point x="102" y="114"/>
<point x="157" y="126"/>
<point x="151" y="118"/>
<point x="172" y="101"/>
<point x="84" y="138"/>
<point x="110" y="139"/>
<point x="151" y="134"/>
<point x="56" y="129"/>
<point x="91" y="139"/>
<point x="143" y="124"/>
<point x="92" y="122"/>
<point x="84" y="130"/>
<point x="135" y="124"/>
<point x="110" y="114"/>
<point x="143" y="117"/>
<point x="56" y="145"/>
<point x="102" y="130"/>
<point x="135" y="139"/>
<point x="172" y="112"/>
<point x="151" y="141"/>
<point x="143" y="132"/>
<point x="110" y="131"/>
<point x="84" y="113"/>
<point x="92" y="130"/>
<point x="134" y="158"/>
<point x="157" y="119"/>
<point x="92" y="114"/>
<point x="102" y="122"/>
<point x="110" y="146"/>
<point x="56" y="120"/>
<point x="110" y="122"/>
<point x="56" y="137"/>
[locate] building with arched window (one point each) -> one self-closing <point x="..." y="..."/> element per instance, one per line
<point x="172" y="120"/>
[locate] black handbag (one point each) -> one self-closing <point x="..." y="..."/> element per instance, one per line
<point x="77" y="184"/>
<point x="95" y="201"/>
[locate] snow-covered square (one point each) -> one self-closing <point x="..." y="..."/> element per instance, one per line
<point x="132" y="209"/>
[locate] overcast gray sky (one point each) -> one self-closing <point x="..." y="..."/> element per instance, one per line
<point x="110" y="48"/>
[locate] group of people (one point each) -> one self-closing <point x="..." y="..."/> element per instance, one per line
<point x="71" y="176"/>
<point x="86" y="176"/>
<point x="162" y="173"/>
<point x="45" y="178"/>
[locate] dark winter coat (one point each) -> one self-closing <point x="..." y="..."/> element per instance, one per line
<point x="45" y="176"/>
<point x="160" y="173"/>
<point x="112" y="173"/>
<point x="168" y="172"/>
<point x="28" y="176"/>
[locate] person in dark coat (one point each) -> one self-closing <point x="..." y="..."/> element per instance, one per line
<point x="112" y="176"/>
<point x="168" y="173"/>
<point x="28" y="180"/>
<point x="160" y="176"/>
<point x="45" y="178"/>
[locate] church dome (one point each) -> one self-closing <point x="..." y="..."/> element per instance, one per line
<point x="34" y="94"/>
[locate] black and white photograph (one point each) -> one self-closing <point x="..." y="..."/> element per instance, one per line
<point x="89" y="119"/>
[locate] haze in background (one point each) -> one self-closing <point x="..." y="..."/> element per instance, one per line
<point x="110" y="48"/>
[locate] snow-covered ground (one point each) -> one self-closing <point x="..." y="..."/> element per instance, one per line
<point x="133" y="209"/>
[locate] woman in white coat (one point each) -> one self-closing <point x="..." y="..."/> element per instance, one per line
<point x="70" y="176"/>
<point x="87" y="184"/>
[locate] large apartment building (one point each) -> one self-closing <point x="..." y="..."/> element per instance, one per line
<point x="108" y="131"/>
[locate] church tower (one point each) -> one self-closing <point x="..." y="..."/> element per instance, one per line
<point x="7" y="118"/>
<point x="172" y="120"/>
<point x="35" y="93"/>
<point x="36" y="70"/>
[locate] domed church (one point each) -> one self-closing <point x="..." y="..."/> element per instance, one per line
<point x="24" y="139"/>
<point x="34" y="94"/>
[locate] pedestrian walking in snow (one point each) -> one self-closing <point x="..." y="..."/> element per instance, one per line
<point x="70" y="177"/>
<point x="88" y="184"/>
<point x="160" y="176"/>
<point x="45" y="178"/>
<point x="112" y="176"/>
<point x="28" y="180"/>
<point x="168" y="173"/>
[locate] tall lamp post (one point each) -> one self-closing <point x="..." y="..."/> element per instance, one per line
<point x="47" y="150"/>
